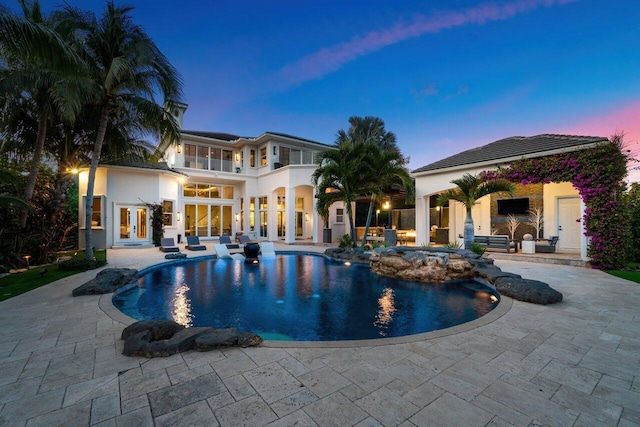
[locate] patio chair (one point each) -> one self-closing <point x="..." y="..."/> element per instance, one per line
<point x="232" y="247"/>
<point x="267" y="250"/>
<point x="168" y="245"/>
<point x="223" y="252"/>
<point x="547" y="246"/>
<point x="193" y="244"/>
<point x="243" y="239"/>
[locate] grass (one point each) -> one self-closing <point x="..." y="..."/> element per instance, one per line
<point x="19" y="283"/>
<point x="632" y="274"/>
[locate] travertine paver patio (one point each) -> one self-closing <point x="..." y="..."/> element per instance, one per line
<point x="576" y="363"/>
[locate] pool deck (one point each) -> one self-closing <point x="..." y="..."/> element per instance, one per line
<point x="574" y="363"/>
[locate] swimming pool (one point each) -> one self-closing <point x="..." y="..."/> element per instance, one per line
<point x="301" y="297"/>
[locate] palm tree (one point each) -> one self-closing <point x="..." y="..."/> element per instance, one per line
<point x="39" y="64"/>
<point x="126" y="69"/>
<point x="341" y="176"/>
<point x="389" y="169"/>
<point x="368" y="130"/>
<point x="470" y="189"/>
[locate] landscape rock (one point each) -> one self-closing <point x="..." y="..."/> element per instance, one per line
<point x="162" y="338"/>
<point x="217" y="338"/>
<point x="349" y="254"/>
<point x="107" y="281"/>
<point x="436" y="264"/>
<point x="527" y="290"/>
<point x="159" y="329"/>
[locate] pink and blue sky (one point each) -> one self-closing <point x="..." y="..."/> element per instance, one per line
<point x="444" y="75"/>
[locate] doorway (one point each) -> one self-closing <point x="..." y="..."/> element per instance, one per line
<point x="133" y="225"/>
<point x="569" y="225"/>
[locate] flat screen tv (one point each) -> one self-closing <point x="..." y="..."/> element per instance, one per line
<point x="513" y="206"/>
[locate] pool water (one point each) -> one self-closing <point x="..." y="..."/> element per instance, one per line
<point x="302" y="297"/>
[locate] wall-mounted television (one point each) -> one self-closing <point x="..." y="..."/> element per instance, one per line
<point x="513" y="206"/>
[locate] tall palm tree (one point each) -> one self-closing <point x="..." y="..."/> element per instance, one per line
<point x="40" y="64"/>
<point x="368" y="129"/>
<point x="389" y="169"/>
<point x="341" y="176"/>
<point x="126" y="69"/>
<point x="470" y="189"/>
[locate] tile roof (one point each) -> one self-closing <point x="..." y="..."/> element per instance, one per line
<point x="230" y="137"/>
<point x="214" y="135"/>
<point x="515" y="146"/>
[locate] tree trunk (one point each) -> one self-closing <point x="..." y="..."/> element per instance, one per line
<point x="95" y="159"/>
<point x="468" y="230"/>
<point x="366" y="226"/>
<point x="352" y="229"/>
<point x="35" y="164"/>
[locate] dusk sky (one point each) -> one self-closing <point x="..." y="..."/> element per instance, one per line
<point x="445" y="76"/>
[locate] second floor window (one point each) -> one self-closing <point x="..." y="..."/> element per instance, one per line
<point x="263" y="156"/>
<point x="216" y="159"/>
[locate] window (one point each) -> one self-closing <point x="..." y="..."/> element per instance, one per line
<point x="167" y="212"/>
<point x="339" y="215"/>
<point x="299" y="203"/>
<point x="252" y="158"/>
<point x="227" y="160"/>
<point x="263" y="156"/>
<point x="96" y="211"/>
<point x="202" y="162"/>
<point x="216" y="159"/>
<point x="263" y="216"/>
<point x="208" y="191"/>
<point x="252" y="213"/>
<point x="189" y="156"/>
<point x="228" y="192"/>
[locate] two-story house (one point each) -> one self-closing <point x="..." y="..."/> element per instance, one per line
<point x="212" y="184"/>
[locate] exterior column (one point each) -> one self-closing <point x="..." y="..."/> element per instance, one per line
<point x="290" y="214"/>
<point x="315" y="225"/>
<point x="422" y="221"/>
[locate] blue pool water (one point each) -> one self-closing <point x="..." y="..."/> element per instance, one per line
<point x="302" y="297"/>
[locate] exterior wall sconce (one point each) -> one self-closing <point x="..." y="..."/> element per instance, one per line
<point x="385" y="205"/>
<point x="179" y="217"/>
<point x="306" y="217"/>
<point x="179" y="149"/>
<point x="237" y="217"/>
<point x="438" y="208"/>
<point x="237" y="156"/>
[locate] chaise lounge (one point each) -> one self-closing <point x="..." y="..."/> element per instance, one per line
<point x="167" y="244"/>
<point x="547" y="246"/>
<point x="193" y="244"/>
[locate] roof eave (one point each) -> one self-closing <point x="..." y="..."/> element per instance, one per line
<point x="499" y="162"/>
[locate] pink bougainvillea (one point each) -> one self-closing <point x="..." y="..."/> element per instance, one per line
<point x="598" y="174"/>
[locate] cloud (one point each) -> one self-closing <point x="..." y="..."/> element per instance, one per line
<point x="327" y="60"/>
<point x="424" y="92"/>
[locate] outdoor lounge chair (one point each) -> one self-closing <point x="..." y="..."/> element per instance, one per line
<point x="168" y="245"/>
<point x="193" y="244"/>
<point x="547" y="246"/>
<point x="223" y="252"/>
<point x="267" y="250"/>
<point x="243" y="239"/>
<point x="232" y="247"/>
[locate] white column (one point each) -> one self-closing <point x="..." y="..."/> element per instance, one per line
<point x="290" y="214"/>
<point x="422" y="221"/>
<point x="316" y="220"/>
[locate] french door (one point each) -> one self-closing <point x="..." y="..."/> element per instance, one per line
<point x="133" y="224"/>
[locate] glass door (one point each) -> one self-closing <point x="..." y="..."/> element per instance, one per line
<point x="133" y="224"/>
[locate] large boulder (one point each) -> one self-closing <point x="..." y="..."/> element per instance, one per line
<point x="107" y="281"/>
<point x="435" y="264"/>
<point x="527" y="290"/>
<point x="162" y="338"/>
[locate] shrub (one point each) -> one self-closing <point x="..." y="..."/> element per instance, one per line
<point x="346" y="241"/>
<point x="453" y="245"/>
<point x="81" y="264"/>
<point x="477" y="249"/>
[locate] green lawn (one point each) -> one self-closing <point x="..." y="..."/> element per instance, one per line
<point x="633" y="275"/>
<point x="19" y="283"/>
